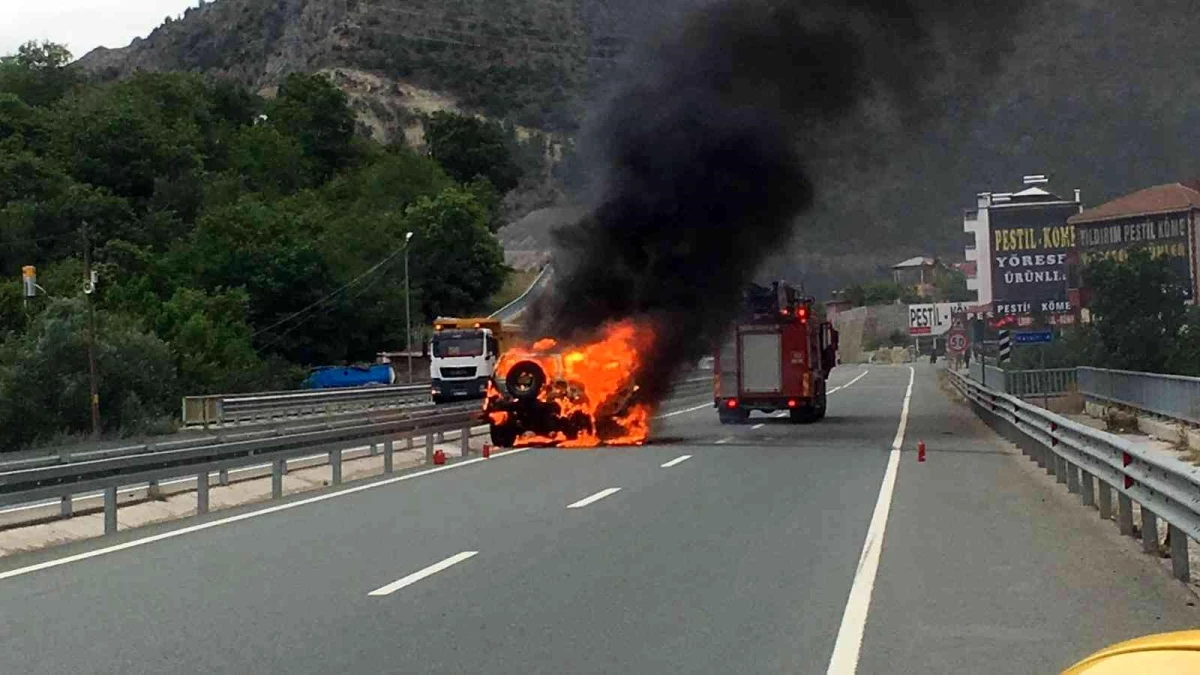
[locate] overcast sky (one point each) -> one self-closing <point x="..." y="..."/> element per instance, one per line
<point x="82" y="25"/>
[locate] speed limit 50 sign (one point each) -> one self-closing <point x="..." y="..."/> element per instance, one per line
<point x="956" y="341"/>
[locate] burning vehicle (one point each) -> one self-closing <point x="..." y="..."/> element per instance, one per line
<point x="570" y="395"/>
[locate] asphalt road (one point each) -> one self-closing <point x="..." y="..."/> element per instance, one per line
<point x="740" y="558"/>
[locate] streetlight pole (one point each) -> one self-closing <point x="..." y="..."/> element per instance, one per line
<point x="407" y="310"/>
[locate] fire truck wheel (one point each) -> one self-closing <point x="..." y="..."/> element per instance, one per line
<point x="503" y="435"/>
<point x="733" y="416"/>
<point x="806" y="415"/>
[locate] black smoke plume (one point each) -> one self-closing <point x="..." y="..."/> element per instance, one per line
<point x="701" y="158"/>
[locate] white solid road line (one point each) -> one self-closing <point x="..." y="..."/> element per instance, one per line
<point x="678" y="460"/>
<point x="245" y="516"/>
<point x="836" y="389"/>
<point x="594" y="498"/>
<point x="850" y="635"/>
<point x="756" y="426"/>
<point x="725" y="440"/>
<point x="421" y="574"/>
<point x="688" y="410"/>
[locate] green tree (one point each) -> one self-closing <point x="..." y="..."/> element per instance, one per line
<point x="1138" y="312"/>
<point x="314" y="111"/>
<point x="951" y="286"/>
<point x="469" y="148"/>
<point x="44" y="376"/>
<point x="40" y="73"/>
<point x="456" y="262"/>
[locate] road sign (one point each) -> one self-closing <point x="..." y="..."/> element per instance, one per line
<point x="956" y="341"/>
<point x="1033" y="337"/>
<point x="1004" y="342"/>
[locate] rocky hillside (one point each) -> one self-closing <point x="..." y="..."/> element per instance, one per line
<point x="530" y="61"/>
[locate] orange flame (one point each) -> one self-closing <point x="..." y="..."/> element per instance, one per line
<point x="592" y="379"/>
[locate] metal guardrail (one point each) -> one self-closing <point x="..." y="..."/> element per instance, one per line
<point x="1172" y="396"/>
<point x="63" y="476"/>
<point x="226" y="409"/>
<point x="1095" y="463"/>
<point x="513" y="309"/>
<point x="109" y="473"/>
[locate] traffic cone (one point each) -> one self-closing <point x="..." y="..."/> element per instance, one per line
<point x="439" y="457"/>
<point x="487" y="450"/>
<point x="920" y="451"/>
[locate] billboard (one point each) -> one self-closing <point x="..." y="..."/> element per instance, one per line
<point x="933" y="319"/>
<point x="1030" y="246"/>
<point x="1165" y="235"/>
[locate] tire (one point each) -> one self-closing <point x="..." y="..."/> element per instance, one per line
<point x="733" y="416"/>
<point x="805" y="415"/>
<point x="525" y="380"/>
<point x="503" y="435"/>
<point x="439" y="399"/>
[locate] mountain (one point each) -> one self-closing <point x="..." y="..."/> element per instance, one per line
<point x="1099" y="95"/>
<point x="530" y="61"/>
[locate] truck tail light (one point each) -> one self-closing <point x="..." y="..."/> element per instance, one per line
<point x="802" y="314"/>
<point x="791" y="403"/>
<point x="731" y="403"/>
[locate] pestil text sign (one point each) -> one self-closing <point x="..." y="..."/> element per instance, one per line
<point x="1030" y="248"/>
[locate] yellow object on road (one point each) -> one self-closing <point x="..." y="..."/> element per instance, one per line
<point x="1164" y="653"/>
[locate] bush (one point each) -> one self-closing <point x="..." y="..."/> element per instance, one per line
<point x="44" y="377"/>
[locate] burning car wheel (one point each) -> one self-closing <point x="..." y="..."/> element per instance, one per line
<point x="504" y="435"/>
<point x="525" y="380"/>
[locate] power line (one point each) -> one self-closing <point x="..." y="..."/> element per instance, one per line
<point x="326" y="298"/>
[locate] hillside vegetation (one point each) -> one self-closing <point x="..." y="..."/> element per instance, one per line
<point x="236" y="239"/>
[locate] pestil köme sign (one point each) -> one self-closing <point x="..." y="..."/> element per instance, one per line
<point x="1166" y="236"/>
<point x="1030" y="247"/>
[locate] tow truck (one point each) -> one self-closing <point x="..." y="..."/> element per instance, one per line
<point x="777" y="356"/>
<point x="463" y="354"/>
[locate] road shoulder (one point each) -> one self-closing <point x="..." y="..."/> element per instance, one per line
<point x="989" y="567"/>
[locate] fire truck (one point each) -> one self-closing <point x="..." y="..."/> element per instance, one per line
<point x="777" y="357"/>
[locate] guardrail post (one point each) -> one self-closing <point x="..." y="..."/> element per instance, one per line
<point x="1039" y="454"/>
<point x="429" y="448"/>
<point x="1072" y="478"/>
<point x="277" y="471"/>
<point x="388" y="454"/>
<point x="465" y="442"/>
<point x="335" y="465"/>
<point x="1088" y="492"/>
<point x="1051" y="462"/>
<point x="1061" y="476"/>
<point x="374" y="449"/>
<point x="65" y="507"/>
<point x="441" y="437"/>
<point x="408" y="443"/>
<point x="1149" y="531"/>
<point x="223" y="477"/>
<point x="1124" y="514"/>
<point x="110" y="509"/>
<point x="202" y="493"/>
<point x="1105" y="501"/>
<point x="1179" y="553"/>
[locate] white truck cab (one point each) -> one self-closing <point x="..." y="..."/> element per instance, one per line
<point x="462" y="357"/>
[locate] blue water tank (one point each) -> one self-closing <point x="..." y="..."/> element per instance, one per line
<point x="330" y="377"/>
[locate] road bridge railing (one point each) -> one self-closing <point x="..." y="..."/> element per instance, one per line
<point x="1174" y="396"/>
<point x="1097" y="465"/>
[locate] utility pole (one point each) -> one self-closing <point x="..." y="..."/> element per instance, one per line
<point x="89" y="286"/>
<point x="407" y="310"/>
